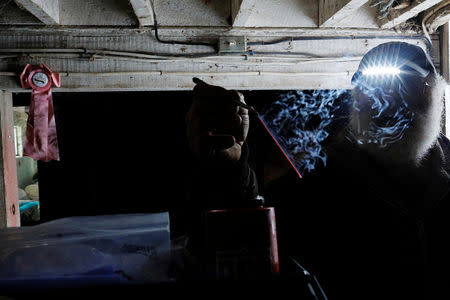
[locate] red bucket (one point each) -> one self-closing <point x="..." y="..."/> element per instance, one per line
<point x="242" y="243"/>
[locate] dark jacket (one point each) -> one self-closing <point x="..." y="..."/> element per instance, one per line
<point x="211" y="186"/>
<point x="365" y="232"/>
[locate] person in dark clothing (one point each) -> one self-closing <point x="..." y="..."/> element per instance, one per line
<point x="373" y="222"/>
<point x="221" y="177"/>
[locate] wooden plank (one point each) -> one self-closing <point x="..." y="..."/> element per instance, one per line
<point x="10" y="14"/>
<point x="241" y="11"/>
<point x="143" y="40"/>
<point x="45" y="10"/>
<point x="231" y="64"/>
<point x="42" y="35"/>
<point x="397" y="17"/>
<point x="266" y="13"/>
<point x="9" y="201"/>
<point x="119" y="14"/>
<point x="192" y="12"/>
<point x="284" y="13"/>
<point x="96" y="13"/>
<point x="332" y="12"/>
<point x="363" y="17"/>
<point x="144" y="12"/>
<point x="437" y="16"/>
<point x="182" y="81"/>
<point x="445" y="58"/>
<point x="112" y="59"/>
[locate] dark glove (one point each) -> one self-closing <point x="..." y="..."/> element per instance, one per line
<point x="216" y="126"/>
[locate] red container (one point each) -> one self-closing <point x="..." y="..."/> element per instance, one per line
<point x="242" y="243"/>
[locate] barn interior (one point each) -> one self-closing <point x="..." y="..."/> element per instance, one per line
<point x="126" y="70"/>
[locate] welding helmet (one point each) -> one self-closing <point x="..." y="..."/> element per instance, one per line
<point x="390" y="61"/>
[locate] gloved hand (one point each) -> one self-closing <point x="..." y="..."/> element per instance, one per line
<point x="216" y="126"/>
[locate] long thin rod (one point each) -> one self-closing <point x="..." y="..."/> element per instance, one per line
<point x="255" y="112"/>
<point x="279" y="146"/>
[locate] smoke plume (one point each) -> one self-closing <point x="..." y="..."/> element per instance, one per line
<point x="299" y="121"/>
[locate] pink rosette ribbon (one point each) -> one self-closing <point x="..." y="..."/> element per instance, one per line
<point x="41" y="140"/>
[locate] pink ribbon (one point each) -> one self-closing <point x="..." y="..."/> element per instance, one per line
<point x="41" y="140"/>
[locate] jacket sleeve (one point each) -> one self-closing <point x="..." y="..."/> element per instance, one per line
<point x="219" y="186"/>
<point x="212" y="186"/>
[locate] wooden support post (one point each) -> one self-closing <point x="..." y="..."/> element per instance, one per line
<point x="397" y="17"/>
<point x="47" y="11"/>
<point x="9" y="199"/>
<point x="436" y="16"/>
<point x="144" y="12"/>
<point x="241" y="11"/>
<point x="331" y="12"/>
<point x="127" y="63"/>
<point x="445" y="61"/>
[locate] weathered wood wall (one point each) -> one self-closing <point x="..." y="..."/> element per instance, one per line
<point x="132" y="59"/>
<point x="107" y="45"/>
<point x="9" y="203"/>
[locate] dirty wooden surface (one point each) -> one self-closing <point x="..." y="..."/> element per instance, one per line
<point x="9" y="203"/>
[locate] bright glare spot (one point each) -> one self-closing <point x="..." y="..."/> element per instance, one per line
<point x="381" y="70"/>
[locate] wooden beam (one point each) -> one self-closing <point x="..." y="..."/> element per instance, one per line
<point x="275" y="13"/>
<point x="9" y="199"/>
<point x="437" y="16"/>
<point x="131" y="59"/>
<point x="397" y="17"/>
<point x="445" y="60"/>
<point x="144" y="12"/>
<point x="182" y="81"/>
<point x="331" y="12"/>
<point x="47" y="11"/>
<point x="241" y="10"/>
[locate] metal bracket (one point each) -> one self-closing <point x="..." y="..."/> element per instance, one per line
<point x="232" y="44"/>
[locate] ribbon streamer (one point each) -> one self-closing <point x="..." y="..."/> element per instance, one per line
<point x="41" y="140"/>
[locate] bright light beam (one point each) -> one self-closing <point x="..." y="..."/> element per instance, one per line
<point x="381" y="70"/>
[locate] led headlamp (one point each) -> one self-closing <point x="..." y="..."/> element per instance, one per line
<point x="381" y="71"/>
<point x="393" y="60"/>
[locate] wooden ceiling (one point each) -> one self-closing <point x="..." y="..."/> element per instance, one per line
<point x="237" y="13"/>
<point x="290" y="44"/>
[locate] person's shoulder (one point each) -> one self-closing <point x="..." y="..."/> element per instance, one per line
<point x="444" y="140"/>
<point x="443" y="144"/>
